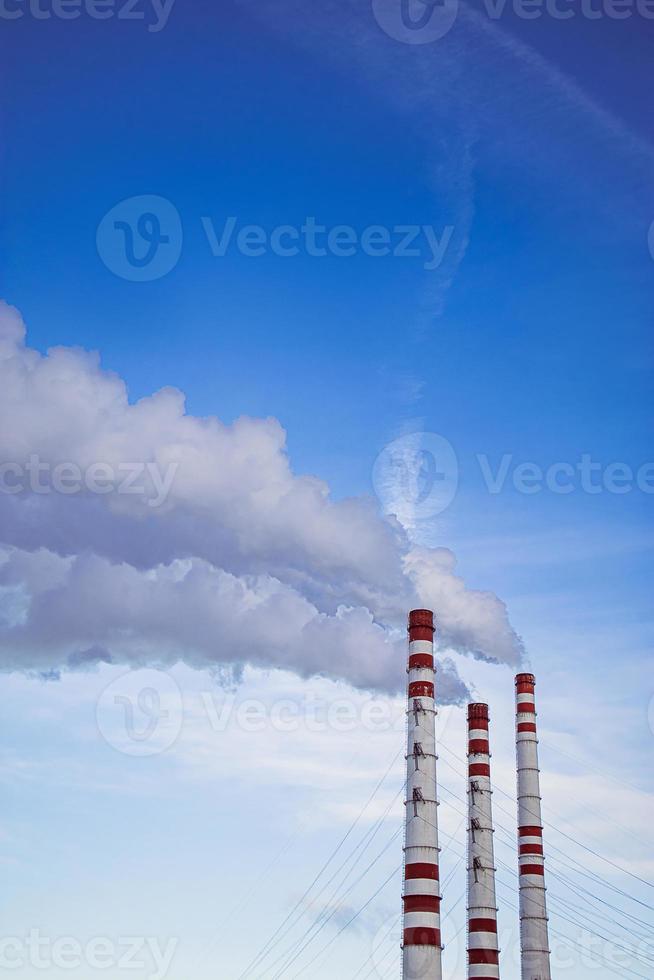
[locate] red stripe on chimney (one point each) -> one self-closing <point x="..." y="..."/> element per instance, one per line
<point x="421" y="870"/>
<point x="482" y="925"/>
<point x="526" y="708"/>
<point x="421" y="689"/>
<point x="527" y="726"/>
<point x="422" y="903"/>
<point x="422" y="936"/>
<point x="476" y="956"/>
<point x="528" y="831"/>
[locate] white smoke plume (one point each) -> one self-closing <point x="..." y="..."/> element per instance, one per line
<point x="241" y="562"/>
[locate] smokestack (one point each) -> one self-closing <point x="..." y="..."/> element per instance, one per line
<point x="534" y="941"/>
<point x="421" y="956"/>
<point x="483" y="952"/>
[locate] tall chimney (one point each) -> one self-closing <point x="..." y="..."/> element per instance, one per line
<point x="534" y="941"/>
<point x="483" y="952"/>
<point x="421" y="956"/>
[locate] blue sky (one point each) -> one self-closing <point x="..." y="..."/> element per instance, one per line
<point x="530" y="140"/>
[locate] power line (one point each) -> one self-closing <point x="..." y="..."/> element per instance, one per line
<point x="512" y="871"/>
<point x="597" y="898"/>
<point x="370" y="834"/>
<point x="563" y="834"/>
<point x="446" y="882"/>
<point x="565" y="914"/>
<point x="306" y="941"/>
<point x="553" y="896"/>
<point x="372" y="955"/>
<point x="573" y="942"/>
<point x="348" y="923"/>
<point x="261" y="877"/>
<point x="594" y="878"/>
<point x="589" y="765"/>
<point x="602" y="915"/>
<point x="272" y="942"/>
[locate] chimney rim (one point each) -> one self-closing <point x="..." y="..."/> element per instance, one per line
<point x="525" y="679"/>
<point x="478" y="709"/>
<point x="421" y="617"/>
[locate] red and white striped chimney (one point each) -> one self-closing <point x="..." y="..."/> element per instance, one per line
<point x="534" y="940"/>
<point x="483" y="951"/>
<point x="421" y="956"/>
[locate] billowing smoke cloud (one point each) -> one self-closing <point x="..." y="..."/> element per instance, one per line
<point x="468" y="620"/>
<point x="138" y="534"/>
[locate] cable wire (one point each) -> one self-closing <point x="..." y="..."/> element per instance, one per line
<point x="272" y="942"/>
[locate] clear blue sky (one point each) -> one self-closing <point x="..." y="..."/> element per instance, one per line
<point x="532" y="142"/>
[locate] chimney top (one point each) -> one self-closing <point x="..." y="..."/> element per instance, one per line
<point x="525" y="679"/>
<point x="421" y="617"/>
<point x="477" y="712"/>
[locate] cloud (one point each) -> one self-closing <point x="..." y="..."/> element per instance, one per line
<point x="191" y="611"/>
<point x="234" y="499"/>
<point x="468" y="620"/>
<point x="243" y="561"/>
